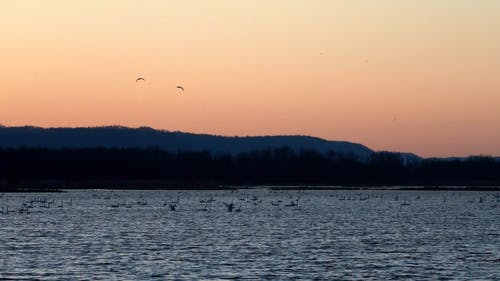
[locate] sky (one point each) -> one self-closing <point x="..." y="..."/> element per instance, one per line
<point x="417" y="76"/>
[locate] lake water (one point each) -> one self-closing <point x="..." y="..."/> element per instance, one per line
<point x="330" y="235"/>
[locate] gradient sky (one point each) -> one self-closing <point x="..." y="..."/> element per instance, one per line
<point x="421" y="76"/>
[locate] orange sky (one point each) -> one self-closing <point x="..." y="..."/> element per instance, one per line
<point x="419" y="76"/>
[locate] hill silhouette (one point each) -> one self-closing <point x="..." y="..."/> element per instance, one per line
<point x="120" y="157"/>
<point x="124" y="137"/>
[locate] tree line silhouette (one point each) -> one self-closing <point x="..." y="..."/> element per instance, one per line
<point x="278" y="166"/>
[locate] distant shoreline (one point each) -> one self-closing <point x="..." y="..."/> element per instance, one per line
<point x="54" y="186"/>
<point x="278" y="168"/>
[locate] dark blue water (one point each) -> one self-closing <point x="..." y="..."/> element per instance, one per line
<point x="269" y="235"/>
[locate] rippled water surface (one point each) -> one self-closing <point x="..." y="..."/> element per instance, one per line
<point x="329" y="235"/>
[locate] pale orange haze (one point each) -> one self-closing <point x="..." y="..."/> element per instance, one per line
<point x="420" y="75"/>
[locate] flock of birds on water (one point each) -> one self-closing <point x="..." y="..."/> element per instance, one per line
<point x="239" y="201"/>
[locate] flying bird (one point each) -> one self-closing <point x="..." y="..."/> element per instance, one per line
<point x="180" y="87"/>
<point x="139" y="79"/>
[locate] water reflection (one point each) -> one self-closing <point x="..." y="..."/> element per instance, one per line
<point x="267" y="235"/>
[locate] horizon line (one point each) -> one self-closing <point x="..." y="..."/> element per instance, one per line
<point x="236" y="136"/>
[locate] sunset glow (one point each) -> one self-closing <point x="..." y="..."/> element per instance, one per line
<point x="414" y="76"/>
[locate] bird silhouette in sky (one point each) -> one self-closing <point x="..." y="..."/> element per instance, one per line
<point x="180" y="87"/>
<point x="139" y="79"/>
